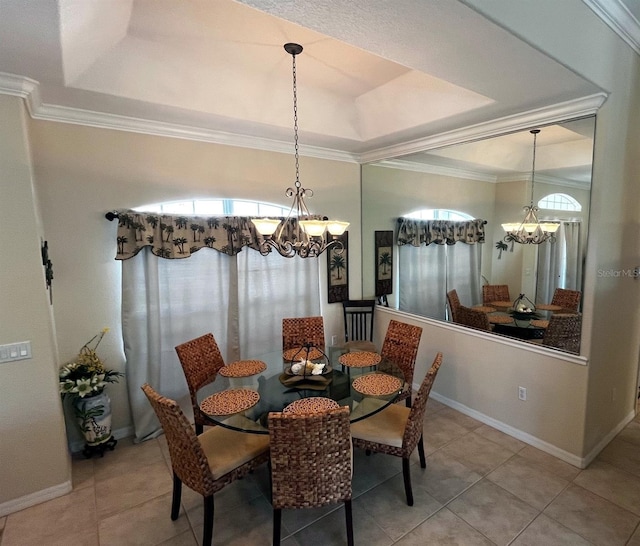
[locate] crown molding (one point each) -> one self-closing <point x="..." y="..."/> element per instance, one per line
<point x="435" y="169"/>
<point x="573" y="109"/>
<point x="617" y="17"/>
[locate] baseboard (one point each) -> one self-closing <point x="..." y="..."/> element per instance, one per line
<point x="612" y="434"/>
<point x="565" y="456"/>
<point x="15" y="505"/>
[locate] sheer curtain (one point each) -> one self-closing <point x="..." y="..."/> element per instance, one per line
<point x="241" y="299"/>
<point x="560" y="263"/>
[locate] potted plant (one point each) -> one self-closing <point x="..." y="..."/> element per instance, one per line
<point x="84" y="380"/>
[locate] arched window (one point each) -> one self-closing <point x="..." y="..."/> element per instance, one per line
<point x="220" y="207"/>
<point x="438" y="214"/>
<point x="559" y="201"/>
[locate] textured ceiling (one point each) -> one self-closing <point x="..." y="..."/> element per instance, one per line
<point x="374" y="77"/>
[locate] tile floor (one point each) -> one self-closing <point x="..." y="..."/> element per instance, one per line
<point x="480" y="487"/>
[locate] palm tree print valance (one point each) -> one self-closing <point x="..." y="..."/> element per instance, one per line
<point x="178" y="236"/>
<point x="440" y="232"/>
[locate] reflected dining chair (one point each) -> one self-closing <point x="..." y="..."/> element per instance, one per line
<point x="397" y="430"/>
<point x="564" y="332"/>
<point x="311" y="463"/>
<point x="454" y="303"/>
<point x="569" y="300"/>
<point x="358" y="325"/>
<point x="400" y="346"/>
<point x="204" y="463"/>
<point x="473" y="318"/>
<point x="296" y="332"/>
<point x="201" y="360"/>
<point x="495" y="292"/>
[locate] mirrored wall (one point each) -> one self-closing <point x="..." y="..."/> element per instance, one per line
<point x="490" y="179"/>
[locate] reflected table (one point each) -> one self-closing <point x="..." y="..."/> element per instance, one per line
<point x="276" y="388"/>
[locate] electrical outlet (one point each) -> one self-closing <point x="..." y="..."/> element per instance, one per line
<point x="334" y="340"/>
<point x="522" y="393"/>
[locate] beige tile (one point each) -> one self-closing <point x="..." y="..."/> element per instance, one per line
<point x="496" y="513"/>
<point x="635" y="538"/>
<point x="439" y="430"/>
<point x="445" y="478"/>
<point x="387" y="504"/>
<point x="444" y="528"/>
<point x="622" y="454"/>
<point x="500" y="438"/>
<point x="592" y="517"/>
<point x="127" y="457"/>
<point x="183" y="539"/>
<point x="528" y="481"/>
<point x="372" y="470"/>
<point x="70" y="519"/>
<point x="613" y="484"/>
<point x="461" y="419"/>
<point x="433" y="406"/>
<point x="146" y="523"/>
<point x="131" y="487"/>
<point x="544" y="530"/>
<point x="477" y="453"/>
<point x="332" y="529"/>
<point x="631" y="433"/>
<point x="82" y="471"/>
<point x="550" y="463"/>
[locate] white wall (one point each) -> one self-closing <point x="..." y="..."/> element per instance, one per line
<point x="33" y="449"/>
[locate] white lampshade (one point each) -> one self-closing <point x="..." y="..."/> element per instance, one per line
<point x="335" y="227"/>
<point x="511" y="226"/>
<point x="265" y="226"/>
<point x="551" y="227"/>
<point x="313" y="228"/>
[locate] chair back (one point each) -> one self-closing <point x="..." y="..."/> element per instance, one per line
<point x="401" y="346"/>
<point x="296" y="332"/>
<point x="569" y="300"/>
<point x="473" y="318"/>
<point x="564" y="332"/>
<point x="188" y="459"/>
<point x="413" y="429"/>
<point x="311" y="458"/>
<point x="358" y="319"/>
<point x="495" y="292"/>
<point x="454" y="303"/>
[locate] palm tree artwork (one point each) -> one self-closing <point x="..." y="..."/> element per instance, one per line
<point x="337" y="264"/>
<point x="384" y="262"/>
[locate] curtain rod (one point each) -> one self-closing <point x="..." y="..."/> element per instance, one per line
<point x="112" y="215"/>
<point x="402" y="218"/>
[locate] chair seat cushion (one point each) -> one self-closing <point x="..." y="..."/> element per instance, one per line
<point x="228" y="449"/>
<point x="385" y="427"/>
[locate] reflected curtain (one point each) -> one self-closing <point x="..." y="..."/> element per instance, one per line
<point x="431" y="263"/>
<point x="240" y="298"/>
<point x="560" y="263"/>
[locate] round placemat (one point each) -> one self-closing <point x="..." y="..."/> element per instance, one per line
<point x="300" y="353"/>
<point x="484" y="308"/>
<point x="503" y="304"/>
<point x="313" y="404"/>
<point x="376" y="384"/>
<point x="540" y="323"/>
<point x="360" y="359"/>
<point x="243" y="368"/>
<point x="548" y="307"/>
<point x="500" y="319"/>
<point x="230" y="401"/>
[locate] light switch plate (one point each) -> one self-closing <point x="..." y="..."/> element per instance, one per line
<point x="15" y="351"/>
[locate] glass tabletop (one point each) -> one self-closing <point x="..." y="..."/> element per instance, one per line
<point x="277" y="387"/>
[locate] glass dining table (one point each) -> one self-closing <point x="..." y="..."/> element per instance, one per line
<point x="363" y="381"/>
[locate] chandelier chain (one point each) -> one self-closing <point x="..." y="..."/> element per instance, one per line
<point x="295" y="121"/>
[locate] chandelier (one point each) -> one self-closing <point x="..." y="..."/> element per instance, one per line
<point x="300" y="233"/>
<point x="531" y="231"/>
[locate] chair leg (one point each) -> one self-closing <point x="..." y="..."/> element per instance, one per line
<point x="277" y="520"/>
<point x="199" y="429"/>
<point x="349" y="518"/>
<point x="408" y="401"/>
<point x="207" y="534"/>
<point x="406" y="474"/>
<point x="177" y="495"/>
<point x="423" y="461"/>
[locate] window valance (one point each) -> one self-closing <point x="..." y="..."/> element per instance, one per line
<point x="441" y="232"/>
<point x="176" y="236"/>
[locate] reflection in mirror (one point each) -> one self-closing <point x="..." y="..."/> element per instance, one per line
<point x="491" y="180"/>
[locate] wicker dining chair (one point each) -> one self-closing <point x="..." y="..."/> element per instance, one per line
<point x="397" y="430"/>
<point x="569" y="300"/>
<point x="454" y="303"/>
<point x="473" y="318"/>
<point x="311" y="463"/>
<point x="564" y="332"/>
<point x="201" y="360"/>
<point x="400" y="346"/>
<point x="208" y="462"/>
<point x="297" y="332"/>
<point x="358" y="324"/>
<point x="495" y="292"/>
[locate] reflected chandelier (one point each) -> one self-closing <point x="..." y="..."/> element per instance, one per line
<point x="531" y="231"/>
<point x="299" y="234"/>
